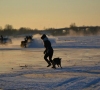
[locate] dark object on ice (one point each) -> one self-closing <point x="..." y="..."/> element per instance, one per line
<point x="5" y="40"/>
<point x="27" y="39"/>
<point x="57" y="61"/>
<point x="24" y="43"/>
<point x="24" y="66"/>
<point x="1" y="39"/>
<point x="48" y="53"/>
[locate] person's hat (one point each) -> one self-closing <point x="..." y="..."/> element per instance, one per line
<point x="43" y="36"/>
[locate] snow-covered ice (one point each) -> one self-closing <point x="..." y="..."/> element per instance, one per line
<point x="25" y="68"/>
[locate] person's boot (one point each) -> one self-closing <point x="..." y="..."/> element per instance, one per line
<point x="49" y="64"/>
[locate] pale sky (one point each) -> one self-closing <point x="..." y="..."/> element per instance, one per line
<point x="42" y="14"/>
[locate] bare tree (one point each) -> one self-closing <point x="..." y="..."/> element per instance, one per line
<point x="8" y="27"/>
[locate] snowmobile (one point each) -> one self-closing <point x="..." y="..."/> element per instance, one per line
<point x="5" y="40"/>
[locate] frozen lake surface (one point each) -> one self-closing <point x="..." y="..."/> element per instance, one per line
<point x="25" y="68"/>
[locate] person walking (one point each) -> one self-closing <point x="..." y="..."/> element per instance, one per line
<point x="48" y="52"/>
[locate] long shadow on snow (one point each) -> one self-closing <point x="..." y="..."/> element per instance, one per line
<point x="87" y="69"/>
<point x="71" y="69"/>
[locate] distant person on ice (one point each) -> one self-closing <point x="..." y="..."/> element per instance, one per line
<point x="1" y="39"/>
<point x="48" y="50"/>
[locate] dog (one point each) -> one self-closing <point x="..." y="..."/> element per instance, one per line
<point x="57" y="61"/>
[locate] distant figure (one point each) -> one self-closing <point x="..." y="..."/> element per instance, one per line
<point x="29" y="38"/>
<point x="1" y="39"/>
<point x="48" y="51"/>
<point x="24" y="43"/>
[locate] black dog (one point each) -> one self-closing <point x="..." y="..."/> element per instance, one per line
<point x="57" y="61"/>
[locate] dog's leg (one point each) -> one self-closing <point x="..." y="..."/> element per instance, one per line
<point x="58" y="65"/>
<point x="54" y="65"/>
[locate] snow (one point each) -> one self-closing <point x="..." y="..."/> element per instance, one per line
<point x="25" y="68"/>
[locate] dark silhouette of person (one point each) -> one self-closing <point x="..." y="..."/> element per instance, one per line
<point x="48" y="50"/>
<point x="1" y="39"/>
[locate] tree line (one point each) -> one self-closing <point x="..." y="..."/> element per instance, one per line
<point x="72" y="30"/>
